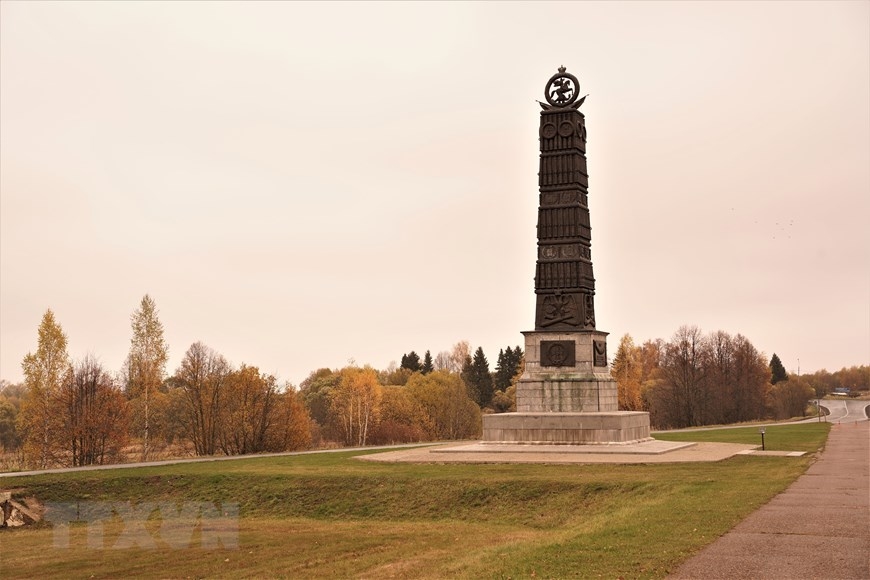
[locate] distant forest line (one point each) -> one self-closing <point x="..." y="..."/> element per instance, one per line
<point x="76" y="412"/>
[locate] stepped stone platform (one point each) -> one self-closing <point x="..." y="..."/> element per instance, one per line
<point x="597" y="428"/>
<point x="648" y="447"/>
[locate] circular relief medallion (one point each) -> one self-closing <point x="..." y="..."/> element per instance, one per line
<point x="561" y="89"/>
<point x="558" y="355"/>
<point x="569" y="251"/>
<point x="548" y="131"/>
<point x="566" y="129"/>
<point x="549" y="252"/>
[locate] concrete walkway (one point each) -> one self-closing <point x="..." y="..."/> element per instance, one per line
<point x="817" y="528"/>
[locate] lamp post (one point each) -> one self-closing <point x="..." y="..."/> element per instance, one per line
<point x="761" y="430"/>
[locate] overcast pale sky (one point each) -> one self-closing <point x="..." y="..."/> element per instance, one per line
<point x="297" y="185"/>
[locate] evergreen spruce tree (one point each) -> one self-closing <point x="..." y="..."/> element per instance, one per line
<point x="465" y="375"/>
<point x="506" y="367"/>
<point x="411" y="361"/>
<point x="427" y="367"/>
<point x="480" y="379"/>
<point x="777" y="371"/>
<point x="501" y="368"/>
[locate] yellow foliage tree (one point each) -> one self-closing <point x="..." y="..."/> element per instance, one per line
<point x="444" y="396"/>
<point x="44" y="374"/>
<point x="146" y="363"/>
<point x="94" y="415"/>
<point x="627" y="370"/>
<point x="403" y="419"/>
<point x="355" y="403"/>
<point x="257" y="417"/>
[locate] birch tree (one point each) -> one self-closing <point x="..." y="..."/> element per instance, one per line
<point x="355" y="403"/>
<point x="44" y="374"/>
<point x="146" y="363"/>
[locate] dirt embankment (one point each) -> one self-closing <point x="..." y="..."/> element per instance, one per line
<point x="19" y="512"/>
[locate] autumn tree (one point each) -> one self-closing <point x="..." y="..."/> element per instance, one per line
<point x="146" y="363"/>
<point x="202" y="377"/>
<point x="444" y="397"/>
<point x="9" y="439"/>
<point x="257" y="417"/>
<point x="442" y="361"/>
<point x="93" y="414"/>
<point x="11" y="397"/>
<point x="315" y="392"/>
<point x="459" y="354"/>
<point x="738" y="379"/>
<point x="855" y="378"/>
<point x="505" y="401"/>
<point x="789" y="398"/>
<point x="394" y="375"/>
<point x="292" y="425"/>
<point x="356" y="403"/>
<point x="247" y="411"/>
<point x="453" y="360"/>
<point x="627" y="370"/>
<point x="403" y="419"/>
<point x="44" y="374"/>
<point x="682" y="395"/>
<point x="777" y="371"/>
<point x="702" y="380"/>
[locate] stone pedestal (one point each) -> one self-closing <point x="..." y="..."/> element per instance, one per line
<point x="566" y="396"/>
<point x="580" y="383"/>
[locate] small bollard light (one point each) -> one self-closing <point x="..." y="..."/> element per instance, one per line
<point x="761" y="430"/>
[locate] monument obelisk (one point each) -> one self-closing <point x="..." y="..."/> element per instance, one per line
<point x="566" y="394"/>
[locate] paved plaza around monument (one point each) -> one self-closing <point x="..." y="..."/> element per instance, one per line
<point x="651" y="452"/>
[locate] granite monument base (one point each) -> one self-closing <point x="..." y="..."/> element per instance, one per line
<point x="566" y="372"/>
<point x="595" y="428"/>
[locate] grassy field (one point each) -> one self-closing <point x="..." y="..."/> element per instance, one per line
<point x="785" y="437"/>
<point x="329" y="515"/>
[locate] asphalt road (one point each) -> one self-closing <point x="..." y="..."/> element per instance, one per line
<point x="845" y="410"/>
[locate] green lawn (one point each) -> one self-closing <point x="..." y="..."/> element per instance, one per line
<point x="787" y="437"/>
<point x="329" y="515"/>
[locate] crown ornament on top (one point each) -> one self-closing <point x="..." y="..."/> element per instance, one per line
<point x="561" y="91"/>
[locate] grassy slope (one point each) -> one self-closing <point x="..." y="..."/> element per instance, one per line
<point x="329" y="515"/>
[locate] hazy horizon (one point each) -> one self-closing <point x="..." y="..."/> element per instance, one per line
<point x="301" y="184"/>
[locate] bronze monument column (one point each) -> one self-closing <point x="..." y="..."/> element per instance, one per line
<point x="566" y="394"/>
